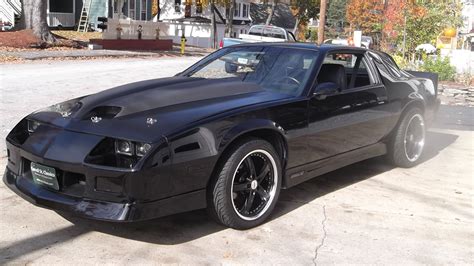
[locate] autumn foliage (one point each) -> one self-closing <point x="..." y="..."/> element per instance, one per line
<point x="365" y="15"/>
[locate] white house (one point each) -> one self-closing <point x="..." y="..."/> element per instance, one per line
<point x="195" y="22"/>
<point x="66" y="13"/>
<point x="10" y="11"/>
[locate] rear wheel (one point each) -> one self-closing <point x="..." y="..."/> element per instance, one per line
<point x="247" y="185"/>
<point x="408" y="141"/>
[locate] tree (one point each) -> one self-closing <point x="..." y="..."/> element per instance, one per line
<point x="229" y="5"/>
<point x="336" y="17"/>
<point x="155" y="9"/>
<point x="213" y="24"/>
<point x="322" y="21"/>
<point x="303" y="11"/>
<point x="229" y="17"/>
<point x="426" y="21"/>
<point x="365" y="15"/>
<point x="271" y="11"/>
<point x="33" y="17"/>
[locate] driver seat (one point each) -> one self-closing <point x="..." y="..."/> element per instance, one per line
<point x="333" y="73"/>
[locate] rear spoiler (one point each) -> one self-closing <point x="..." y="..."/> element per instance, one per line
<point x="427" y="75"/>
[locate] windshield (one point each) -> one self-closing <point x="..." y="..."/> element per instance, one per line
<point x="281" y="70"/>
<point x="268" y="31"/>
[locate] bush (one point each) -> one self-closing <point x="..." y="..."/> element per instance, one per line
<point x="402" y="62"/>
<point x="440" y="65"/>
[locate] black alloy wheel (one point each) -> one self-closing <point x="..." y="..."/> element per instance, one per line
<point x="247" y="185"/>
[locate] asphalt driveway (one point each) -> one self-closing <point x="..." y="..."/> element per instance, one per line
<point x="369" y="212"/>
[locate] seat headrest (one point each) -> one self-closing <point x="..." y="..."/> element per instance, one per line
<point x="333" y="73"/>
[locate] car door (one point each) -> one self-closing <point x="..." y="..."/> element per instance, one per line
<point x="352" y="117"/>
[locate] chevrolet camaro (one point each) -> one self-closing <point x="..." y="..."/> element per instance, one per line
<point x="227" y="134"/>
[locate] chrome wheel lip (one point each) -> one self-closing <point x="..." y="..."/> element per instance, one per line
<point x="418" y="144"/>
<point x="271" y="193"/>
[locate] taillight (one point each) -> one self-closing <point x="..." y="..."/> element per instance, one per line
<point x="221" y="44"/>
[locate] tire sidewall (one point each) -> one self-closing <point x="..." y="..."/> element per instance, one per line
<point x="238" y="154"/>
<point x="398" y="153"/>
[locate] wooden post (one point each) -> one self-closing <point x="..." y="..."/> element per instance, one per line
<point x="322" y="21"/>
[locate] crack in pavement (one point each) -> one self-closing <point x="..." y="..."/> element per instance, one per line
<point x="323" y="238"/>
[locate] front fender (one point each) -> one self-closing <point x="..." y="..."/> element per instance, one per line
<point x="248" y="126"/>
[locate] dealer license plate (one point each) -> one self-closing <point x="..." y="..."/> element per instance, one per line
<point x="44" y="175"/>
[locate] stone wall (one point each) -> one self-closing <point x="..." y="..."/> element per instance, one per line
<point x="456" y="94"/>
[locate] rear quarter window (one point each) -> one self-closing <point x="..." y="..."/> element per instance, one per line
<point x="387" y="67"/>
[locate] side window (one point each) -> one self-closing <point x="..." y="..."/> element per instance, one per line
<point x="356" y="69"/>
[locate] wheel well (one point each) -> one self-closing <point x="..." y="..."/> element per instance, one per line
<point x="408" y="107"/>
<point x="411" y="105"/>
<point x="273" y="137"/>
<point x="276" y="139"/>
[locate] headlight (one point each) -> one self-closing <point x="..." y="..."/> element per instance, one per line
<point x="130" y="148"/>
<point x="32" y="126"/>
<point x="124" y="147"/>
<point x="142" y="149"/>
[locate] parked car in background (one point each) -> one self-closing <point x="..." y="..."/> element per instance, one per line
<point x="261" y="33"/>
<point x="227" y="134"/>
<point x="366" y="42"/>
<point x="5" y="26"/>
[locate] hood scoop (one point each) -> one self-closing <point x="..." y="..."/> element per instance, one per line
<point x="103" y="112"/>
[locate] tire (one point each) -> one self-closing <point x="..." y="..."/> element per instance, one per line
<point x="407" y="144"/>
<point x="230" y="199"/>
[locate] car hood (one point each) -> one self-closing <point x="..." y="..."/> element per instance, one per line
<point x="147" y="110"/>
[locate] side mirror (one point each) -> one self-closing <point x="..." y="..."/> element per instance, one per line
<point x="230" y="67"/>
<point x="325" y="89"/>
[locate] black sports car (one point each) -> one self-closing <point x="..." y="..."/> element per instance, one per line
<point x="227" y="134"/>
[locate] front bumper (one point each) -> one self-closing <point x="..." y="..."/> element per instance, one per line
<point x="102" y="210"/>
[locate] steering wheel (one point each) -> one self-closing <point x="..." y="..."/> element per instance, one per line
<point x="292" y="79"/>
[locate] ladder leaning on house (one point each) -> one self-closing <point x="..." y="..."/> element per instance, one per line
<point x="84" y="19"/>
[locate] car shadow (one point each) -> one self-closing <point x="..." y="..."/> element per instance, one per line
<point x="185" y="227"/>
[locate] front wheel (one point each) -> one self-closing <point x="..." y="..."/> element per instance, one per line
<point x="247" y="185"/>
<point x="408" y="142"/>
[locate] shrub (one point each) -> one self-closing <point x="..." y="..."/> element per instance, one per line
<point x="401" y="61"/>
<point x="440" y="65"/>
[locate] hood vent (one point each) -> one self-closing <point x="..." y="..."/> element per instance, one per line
<point x="104" y="112"/>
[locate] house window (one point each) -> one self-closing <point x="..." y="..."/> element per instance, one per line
<point x="61" y="6"/>
<point x="131" y="9"/>
<point x="238" y="6"/>
<point x="245" y="11"/>
<point x="143" y="10"/>
<point x="177" y="6"/>
<point x="116" y="6"/>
